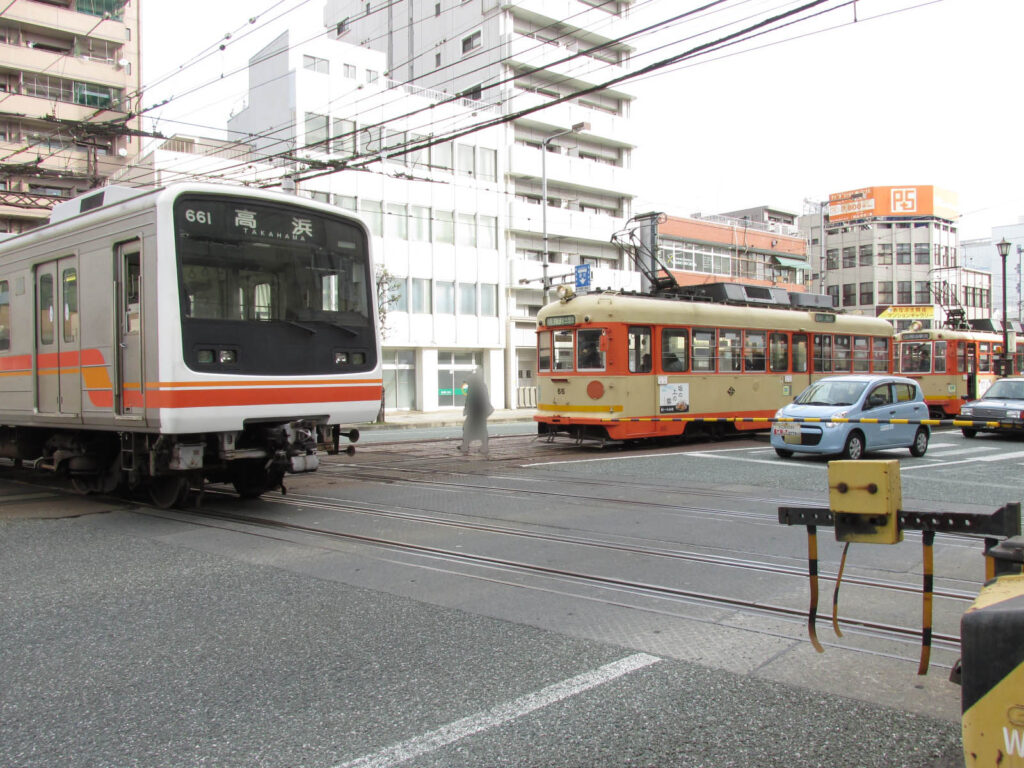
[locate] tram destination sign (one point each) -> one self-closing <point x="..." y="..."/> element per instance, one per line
<point x="557" y="320"/>
<point x="244" y="220"/>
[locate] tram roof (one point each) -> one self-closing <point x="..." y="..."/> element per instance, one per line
<point x="627" y="308"/>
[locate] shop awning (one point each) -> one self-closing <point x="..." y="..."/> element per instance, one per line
<point x="786" y="261"/>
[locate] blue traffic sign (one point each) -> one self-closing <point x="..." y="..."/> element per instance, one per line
<point x="582" y="275"/>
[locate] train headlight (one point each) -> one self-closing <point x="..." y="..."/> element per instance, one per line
<point x="341" y="358"/>
<point x="205" y="356"/>
<point x="358" y="358"/>
<point x="227" y="357"/>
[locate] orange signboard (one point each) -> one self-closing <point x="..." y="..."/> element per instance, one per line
<point x="892" y="201"/>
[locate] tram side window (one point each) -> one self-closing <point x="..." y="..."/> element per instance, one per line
<point x="939" y="358"/>
<point x="674" y="349"/>
<point x="544" y="351"/>
<point x="754" y="351"/>
<point x="729" y="351"/>
<point x="822" y="352"/>
<point x="861" y="354"/>
<point x="984" y="357"/>
<point x="880" y="353"/>
<point x="46" y="309"/>
<point x="841" y="354"/>
<point x="5" y="316"/>
<point x="588" y="343"/>
<point x="799" y="353"/>
<point x="563" y="350"/>
<point x="704" y="350"/>
<point x="639" y="349"/>
<point x="779" y="352"/>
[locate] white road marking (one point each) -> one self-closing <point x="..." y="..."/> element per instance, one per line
<point x="993" y="457"/>
<point x="501" y="714"/>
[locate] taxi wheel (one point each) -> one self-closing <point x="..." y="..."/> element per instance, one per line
<point x="854" y="448"/>
<point x="968" y="432"/>
<point x="784" y="453"/>
<point x="920" y="445"/>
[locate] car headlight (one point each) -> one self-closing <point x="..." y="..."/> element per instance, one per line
<point x="967" y="410"/>
<point x="832" y="424"/>
<point x="1013" y="414"/>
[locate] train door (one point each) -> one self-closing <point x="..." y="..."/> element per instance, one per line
<point x="129" y="394"/>
<point x="970" y="367"/>
<point x="58" y="375"/>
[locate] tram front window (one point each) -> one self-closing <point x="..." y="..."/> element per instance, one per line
<point x="588" y="344"/>
<point x="915" y="357"/>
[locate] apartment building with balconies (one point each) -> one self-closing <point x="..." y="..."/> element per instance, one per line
<point x="566" y="176"/>
<point x="68" y="71"/>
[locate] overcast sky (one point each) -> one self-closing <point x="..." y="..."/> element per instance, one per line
<point x="930" y="95"/>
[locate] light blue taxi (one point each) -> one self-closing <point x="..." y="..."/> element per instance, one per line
<point x="853" y="397"/>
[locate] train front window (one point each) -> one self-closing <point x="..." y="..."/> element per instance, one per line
<point x="590" y="355"/>
<point x="289" y="287"/>
<point x="544" y="351"/>
<point x="915" y="357"/>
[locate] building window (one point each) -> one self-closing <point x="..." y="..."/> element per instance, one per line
<point x="849" y="257"/>
<point x="444" y="227"/>
<point x="343" y="139"/>
<point x="488" y="300"/>
<point x="444" y="298"/>
<point x="437" y="9"/>
<point x="465" y="229"/>
<point x="903" y="294"/>
<point x="316" y="64"/>
<point x="849" y="294"/>
<point x="922" y="295"/>
<point x="465" y="160"/>
<point x="487" y="164"/>
<point x="437" y="61"/>
<point x="441" y="155"/>
<point x="419" y="223"/>
<point x="421" y="298"/>
<point x="488" y="232"/>
<point x="373" y="215"/>
<point x="372" y="76"/>
<point x="471" y="42"/>
<point x="349" y="70"/>
<point x="922" y="253"/>
<point x="397" y="221"/>
<point x="316" y="131"/>
<point x="832" y="258"/>
<point x="867" y="253"/>
<point x="867" y="294"/>
<point x="833" y="292"/>
<point x="902" y="253"/>
<point x="884" y="254"/>
<point x="885" y="293"/>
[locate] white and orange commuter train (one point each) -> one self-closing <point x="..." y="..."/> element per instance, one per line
<point x="166" y="337"/>
<point x="615" y="366"/>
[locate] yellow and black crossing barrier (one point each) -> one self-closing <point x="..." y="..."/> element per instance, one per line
<point x="865" y="505"/>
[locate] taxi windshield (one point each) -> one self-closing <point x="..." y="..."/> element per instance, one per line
<point x="832" y="393"/>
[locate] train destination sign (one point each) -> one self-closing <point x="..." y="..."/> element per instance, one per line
<point x="245" y="220"/>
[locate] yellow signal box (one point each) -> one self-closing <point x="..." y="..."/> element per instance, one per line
<point x="865" y="498"/>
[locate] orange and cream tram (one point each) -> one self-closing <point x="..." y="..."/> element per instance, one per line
<point x="952" y="366"/>
<point x="615" y="366"/>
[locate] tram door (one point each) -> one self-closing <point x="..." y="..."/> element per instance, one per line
<point x="970" y="365"/>
<point x="129" y="394"/>
<point x="58" y="373"/>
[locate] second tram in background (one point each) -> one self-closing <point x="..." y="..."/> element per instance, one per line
<point x="615" y="366"/>
<point x="953" y="366"/>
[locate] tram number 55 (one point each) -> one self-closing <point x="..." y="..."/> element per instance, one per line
<point x="561" y="390"/>
<point x="198" y="217"/>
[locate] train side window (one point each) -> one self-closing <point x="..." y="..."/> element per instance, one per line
<point x="880" y="355"/>
<point x="984" y="358"/>
<point x="754" y="351"/>
<point x="132" y="282"/>
<point x="779" y="352"/>
<point x="704" y="350"/>
<point x="588" y="344"/>
<point x="841" y="353"/>
<point x="563" y="350"/>
<point x="544" y="351"/>
<point x="861" y="354"/>
<point x="939" y="358"/>
<point x="46" y="309"/>
<point x="822" y="352"/>
<point x="69" y="287"/>
<point x="674" y="349"/>
<point x="5" y="316"/>
<point x="799" y="353"/>
<point x="639" y="349"/>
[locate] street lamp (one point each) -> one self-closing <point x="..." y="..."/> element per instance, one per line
<point x="544" y="192"/>
<point x="1003" y="246"/>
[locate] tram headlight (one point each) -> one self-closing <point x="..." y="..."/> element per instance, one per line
<point x="205" y="356"/>
<point x="227" y="357"/>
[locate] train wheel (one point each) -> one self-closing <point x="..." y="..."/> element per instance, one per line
<point x="166" y="492"/>
<point x="854" y="448"/>
<point x="251" y="480"/>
